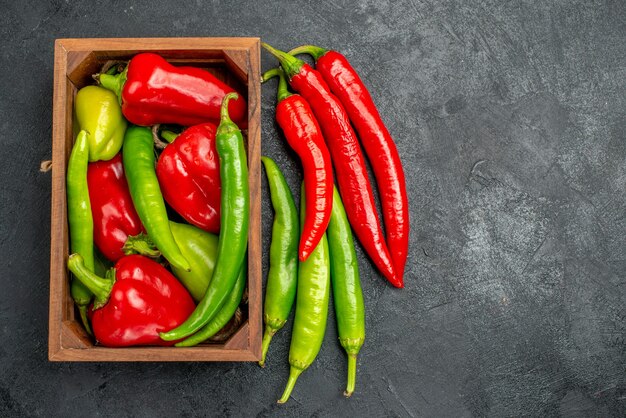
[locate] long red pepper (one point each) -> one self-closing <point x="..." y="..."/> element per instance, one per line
<point x="303" y="133"/>
<point x="346" y="84"/>
<point x="348" y="160"/>
<point x="114" y="215"/>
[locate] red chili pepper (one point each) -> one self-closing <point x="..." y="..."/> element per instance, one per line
<point x="346" y="84"/>
<point x="303" y="133"/>
<point x="189" y="174"/>
<point x="153" y="91"/>
<point x="131" y="308"/>
<point x="351" y="174"/>
<point x="114" y="215"/>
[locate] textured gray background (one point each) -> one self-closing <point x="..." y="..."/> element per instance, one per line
<point x="509" y="117"/>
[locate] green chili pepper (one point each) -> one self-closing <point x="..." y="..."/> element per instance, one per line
<point x="80" y="219"/>
<point x="138" y="156"/>
<point x="347" y="293"/>
<point x="312" y="296"/>
<point x="282" y="278"/>
<point x="99" y="113"/>
<point x="223" y="316"/>
<point x="234" y="220"/>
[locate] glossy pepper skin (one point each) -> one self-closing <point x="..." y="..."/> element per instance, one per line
<point x="346" y="285"/>
<point x="134" y="303"/>
<point x="225" y="314"/>
<point x="153" y="91"/>
<point x="114" y="215"/>
<point x="80" y="219"/>
<point x="138" y="159"/>
<point x="189" y="174"/>
<point x="282" y="277"/>
<point x="200" y="249"/>
<point x="99" y="113"/>
<point x="347" y="157"/>
<point x="379" y="146"/>
<point x="304" y="135"/>
<point x="309" y="324"/>
<point x="235" y="218"/>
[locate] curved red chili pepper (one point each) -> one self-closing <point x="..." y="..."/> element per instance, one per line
<point x="114" y="215"/>
<point x="348" y="160"/>
<point x="303" y="133"/>
<point x="346" y="84"/>
<point x="153" y="91"/>
<point x="189" y="175"/>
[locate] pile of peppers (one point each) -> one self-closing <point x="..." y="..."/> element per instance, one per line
<point x="157" y="190"/>
<point x="328" y="122"/>
<point x="158" y="230"/>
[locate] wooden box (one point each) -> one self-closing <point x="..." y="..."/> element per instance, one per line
<point x="235" y="60"/>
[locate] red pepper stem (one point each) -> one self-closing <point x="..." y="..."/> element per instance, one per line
<point x="283" y="91"/>
<point x="294" y="373"/>
<point x="99" y="286"/>
<point x="315" y="51"/>
<point x="141" y="244"/>
<point x="115" y="82"/>
<point x="351" y="375"/>
<point x="290" y="64"/>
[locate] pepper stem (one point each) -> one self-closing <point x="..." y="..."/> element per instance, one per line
<point x="283" y="91"/>
<point x="99" y="286"/>
<point x="140" y="244"/>
<point x="351" y="375"/>
<point x="82" y="310"/>
<point x="294" y="373"/>
<point x="224" y="116"/>
<point x="315" y="51"/>
<point x="115" y="82"/>
<point x="169" y="136"/>
<point x="267" y="337"/>
<point x="290" y="64"/>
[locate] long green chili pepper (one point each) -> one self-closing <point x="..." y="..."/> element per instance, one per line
<point x="80" y="219"/>
<point x="138" y="155"/>
<point x="312" y="296"/>
<point x="347" y="293"/>
<point x="223" y="316"/>
<point x="234" y="220"/>
<point x="282" y="278"/>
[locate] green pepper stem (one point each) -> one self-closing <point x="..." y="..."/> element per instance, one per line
<point x="351" y="375"/>
<point x="290" y="64"/>
<point x="99" y="286"/>
<point x="267" y="338"/>
<point x="283" y="91"/>
<point x="224" y="116"/>
<point x="141" y="244"/>
<point x="169" y="136"/>
<point x="82" y="310"/>
<point x="315" y="51"/>
<point x="294" y="373"/>
<point x="115" y="82"/>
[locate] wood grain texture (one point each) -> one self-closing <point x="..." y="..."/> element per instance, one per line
<point x="231" y="59"/>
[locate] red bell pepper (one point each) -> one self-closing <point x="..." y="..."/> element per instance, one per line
<point x="114" y="215"/>
<point x="189" y="175"/>
<point x="131" y="308"/>
<point x="153" y="91"/>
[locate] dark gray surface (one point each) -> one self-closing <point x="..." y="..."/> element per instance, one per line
<point x="509" y="117"/>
